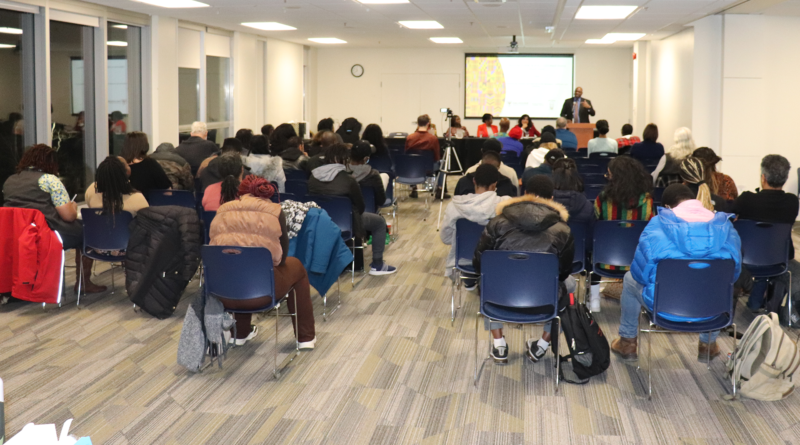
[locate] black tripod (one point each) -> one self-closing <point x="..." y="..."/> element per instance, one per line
<point x="445" y="168"/>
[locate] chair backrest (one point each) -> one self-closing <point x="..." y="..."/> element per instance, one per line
<point x="207" y="218"/>
<point x="519" y="280"/>
<point x="764" y="244"/>
<point x="339" y="209"/>
<point x="381" y="163"/>
<point x="658" y="192"/>
<point x="615" y="242"/>
<point x="594" y="178"/>
<point x="238" y="273"/>
<point x="509" y="158"/>
<point x="105" y="232"/>
<point x="427" y="154"/>
<point x="295" y="175"/>
<point x="389" y="192"/>
<point x="181" y="198"/>
<point x="398" y="134"/>
<point x="468" y="234"/>
<point x="592" y="191"/>
<point x="297" y="188"/>
<point x="369" y="199"/>
<point x="580" y="231"/>
<point x="602" y="155"/>
<point x="694" y="288"/>
<point x="412" y="169"/>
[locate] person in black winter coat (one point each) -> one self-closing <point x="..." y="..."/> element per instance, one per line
<point x="530" y="223"/>
<point x="505" y="187"/>
<point x="365" y="174"/>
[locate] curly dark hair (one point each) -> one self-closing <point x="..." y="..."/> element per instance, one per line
<point x="112" y="181"/>
<point x="40" y="157"/>
<point x="628" y="180"/>
<point x="280" y="137"/>
<point x="374" y="135"/>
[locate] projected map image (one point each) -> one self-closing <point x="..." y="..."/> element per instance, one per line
<point x="513" y="85"/>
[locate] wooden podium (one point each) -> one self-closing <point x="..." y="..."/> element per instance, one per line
<point x="584" y="132"/>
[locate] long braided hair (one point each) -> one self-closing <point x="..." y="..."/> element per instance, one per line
<point x="230" y="168"/>
<point x="111" y="180"/>
<point x="693" y="172"/>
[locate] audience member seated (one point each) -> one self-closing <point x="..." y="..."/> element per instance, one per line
<point x="35" y="185"/>
<point x="546" y="129"/>
<point x="719" y="183"/>
<point x="279" y="139"/>
<point x="146" y="173"/>
<point x="505" y="187"/>
<point x="568" y="139"/>
<point x="294" y="155"/>
<point x="457" y="130"/>
<point x="495" y="146"/>
<point x="668" y="170"/>
<point x="325" y="124"/>
<point x="536" y="156"/>
<point x="230" y="167"/>
<point x="209" y="169"/>
<point x="602" y="143"/>
<point x="112" y="191"/>
<point x="249" y="219"/>
<point x="683" y="229"/>
<point x="197" y="149"/>
<point x="773" y="205"/>
<point x="350" y="130"/>
<point x="568" y="191"/>
<point x="245" y="135"/>
<point x="627" y="140"/>
<point x="177" y="169"/>
<point x="486" y="129"/>
<point x="626" y="196"/>
<point x="528" y="128"/>
<point x="505" y="124"/>
<point x="266" y="130"/>
<point x="268" y="167"/>
<point x="546" y="168"/>
<point x="422" y="140"/>
<point x="319" y="145"/>
<point x="511" y="142"/>
<point x="333" y="179"/>
<point x="374" y="135"/>
<point x="530" y="223"/>
<point x="365" y="175"/>
<point x="692" y="175"/>
<point x="259" y="145"/>
<point x="648" y="151"/>
<point x="478" y="207"/>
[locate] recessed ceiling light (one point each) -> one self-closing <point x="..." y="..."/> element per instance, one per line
<point x="422" y="24"/>
<point x="600" y="41"/>
<point x="175" y="3"/>
<point x="446" y="40"/>
<point x="624" y="36"/>
<point x="604" y="12"/>
<point x="269" y="26"/>
<point x="120" y="26"/>
<point x="327" y="40"/>
<point x="116" y="43"/>
<point x="382" y="2"/>
<point x="5" y="30"/>
<point x="6" y="45"/>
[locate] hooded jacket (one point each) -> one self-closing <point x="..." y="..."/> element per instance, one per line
<point x="529" y="224"/>
<point x="669" y="237"/>
<point x="580" y="209"/>
<point x="334" y="180"/>
<point x="177" y="169"/>
<point x="293" y="159"/>
<point x="476" y="208"/>
<point x="369" y="177"/>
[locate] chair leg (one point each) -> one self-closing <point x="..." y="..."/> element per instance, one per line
<point x="649" y="365"/>
<point x="80" y="278"/>
<point x="708" y="354"/>
<point x="554" y="334"/>
<point x="453" y="288"/>
<point x="353" y="264"/>
<point x="113" y="284"/>
<point x="735" y="351"/>
<point x="275" y="371"/>
<point x="475" y="375"/>
<point x="790" y="298"/>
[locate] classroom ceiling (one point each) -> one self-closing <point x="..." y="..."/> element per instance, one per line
<point x="480" y="26"/>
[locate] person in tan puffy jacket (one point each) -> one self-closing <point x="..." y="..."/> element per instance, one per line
<point x="249" y="219"/>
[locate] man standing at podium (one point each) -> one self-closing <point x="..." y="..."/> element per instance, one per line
<point x="577" y="109"/>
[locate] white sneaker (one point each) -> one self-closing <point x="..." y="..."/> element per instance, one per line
<point x="242" y="341"/>
<point x="307" y="345"/>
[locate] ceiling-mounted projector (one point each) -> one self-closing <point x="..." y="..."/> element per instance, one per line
<point x="513" y="46"/>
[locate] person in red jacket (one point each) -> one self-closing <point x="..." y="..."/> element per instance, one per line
<point x="486" y="129"/>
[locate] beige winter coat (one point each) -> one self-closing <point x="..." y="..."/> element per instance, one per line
<point x="249" y="222"/>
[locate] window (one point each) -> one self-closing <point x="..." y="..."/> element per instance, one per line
<point x="124" y="82"/>
<point x="188" y="95"/>
<point x="17" y="101"/>
<point x="72" y="96"/>
<point x="218" y="95"/>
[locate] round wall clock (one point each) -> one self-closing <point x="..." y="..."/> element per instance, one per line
<point x="357" y="70"/>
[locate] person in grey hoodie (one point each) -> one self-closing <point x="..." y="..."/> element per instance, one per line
<point x="364" y="174"/>
<point x="177" y="169"/>
<point x="333" y="179"/>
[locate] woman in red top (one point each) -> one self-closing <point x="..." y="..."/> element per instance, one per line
<point x="486" y="126"/>
<point x="528" y="129"/>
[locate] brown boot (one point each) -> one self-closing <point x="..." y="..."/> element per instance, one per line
<point x="703" y="351"/>
<point x="87" y="287"/>
<point x="626" y="348"/>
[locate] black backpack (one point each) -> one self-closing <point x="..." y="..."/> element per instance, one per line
<point x="588" y="347"/>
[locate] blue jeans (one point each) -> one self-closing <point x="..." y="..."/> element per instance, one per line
<point x="632" y="302"/>
<point x="759" y="290"/>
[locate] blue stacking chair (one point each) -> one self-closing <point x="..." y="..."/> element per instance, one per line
<point x="594" y="178"/>
<point x="297" y="188"/>
<point x="246" y="273"/>
<point x="766" y="249"/>
<point x="468" y="234"/>
<point x="581" y="233"/>
<point x="369" y="199"/>
<point x="615" y="245"/>
<point x="180" y="198"/>
<point x="103" y="232"/>
<point x="592" y="191"/>
<point x="701" y="289"/>
<point x="207" y="218"/>
<point x="413" y="169"/>
<point x="602" y="155"/>
<point x="513" y="283"/>
<point x="295" y="175"/>
<point x="658" y="192"/>
<point x="382" y="163"/>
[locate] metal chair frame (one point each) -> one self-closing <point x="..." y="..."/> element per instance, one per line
<point x="120" y="223"/>
<point x="458" y="273"/>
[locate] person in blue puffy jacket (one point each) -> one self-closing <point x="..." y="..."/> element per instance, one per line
<point x="683" y="229"/>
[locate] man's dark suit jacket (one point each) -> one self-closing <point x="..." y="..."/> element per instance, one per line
<point x="583" y="113"/>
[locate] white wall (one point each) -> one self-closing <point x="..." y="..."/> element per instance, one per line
<point x="669" y="102"/>
<point x="248" y="88"/>
<point x="284" y="82"/>
<point x="604" y="74"/>
<point x="164" y="80"/>
<point x="707" y="82"/>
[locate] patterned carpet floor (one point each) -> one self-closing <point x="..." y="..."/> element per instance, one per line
<point x="388" y="368"/>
